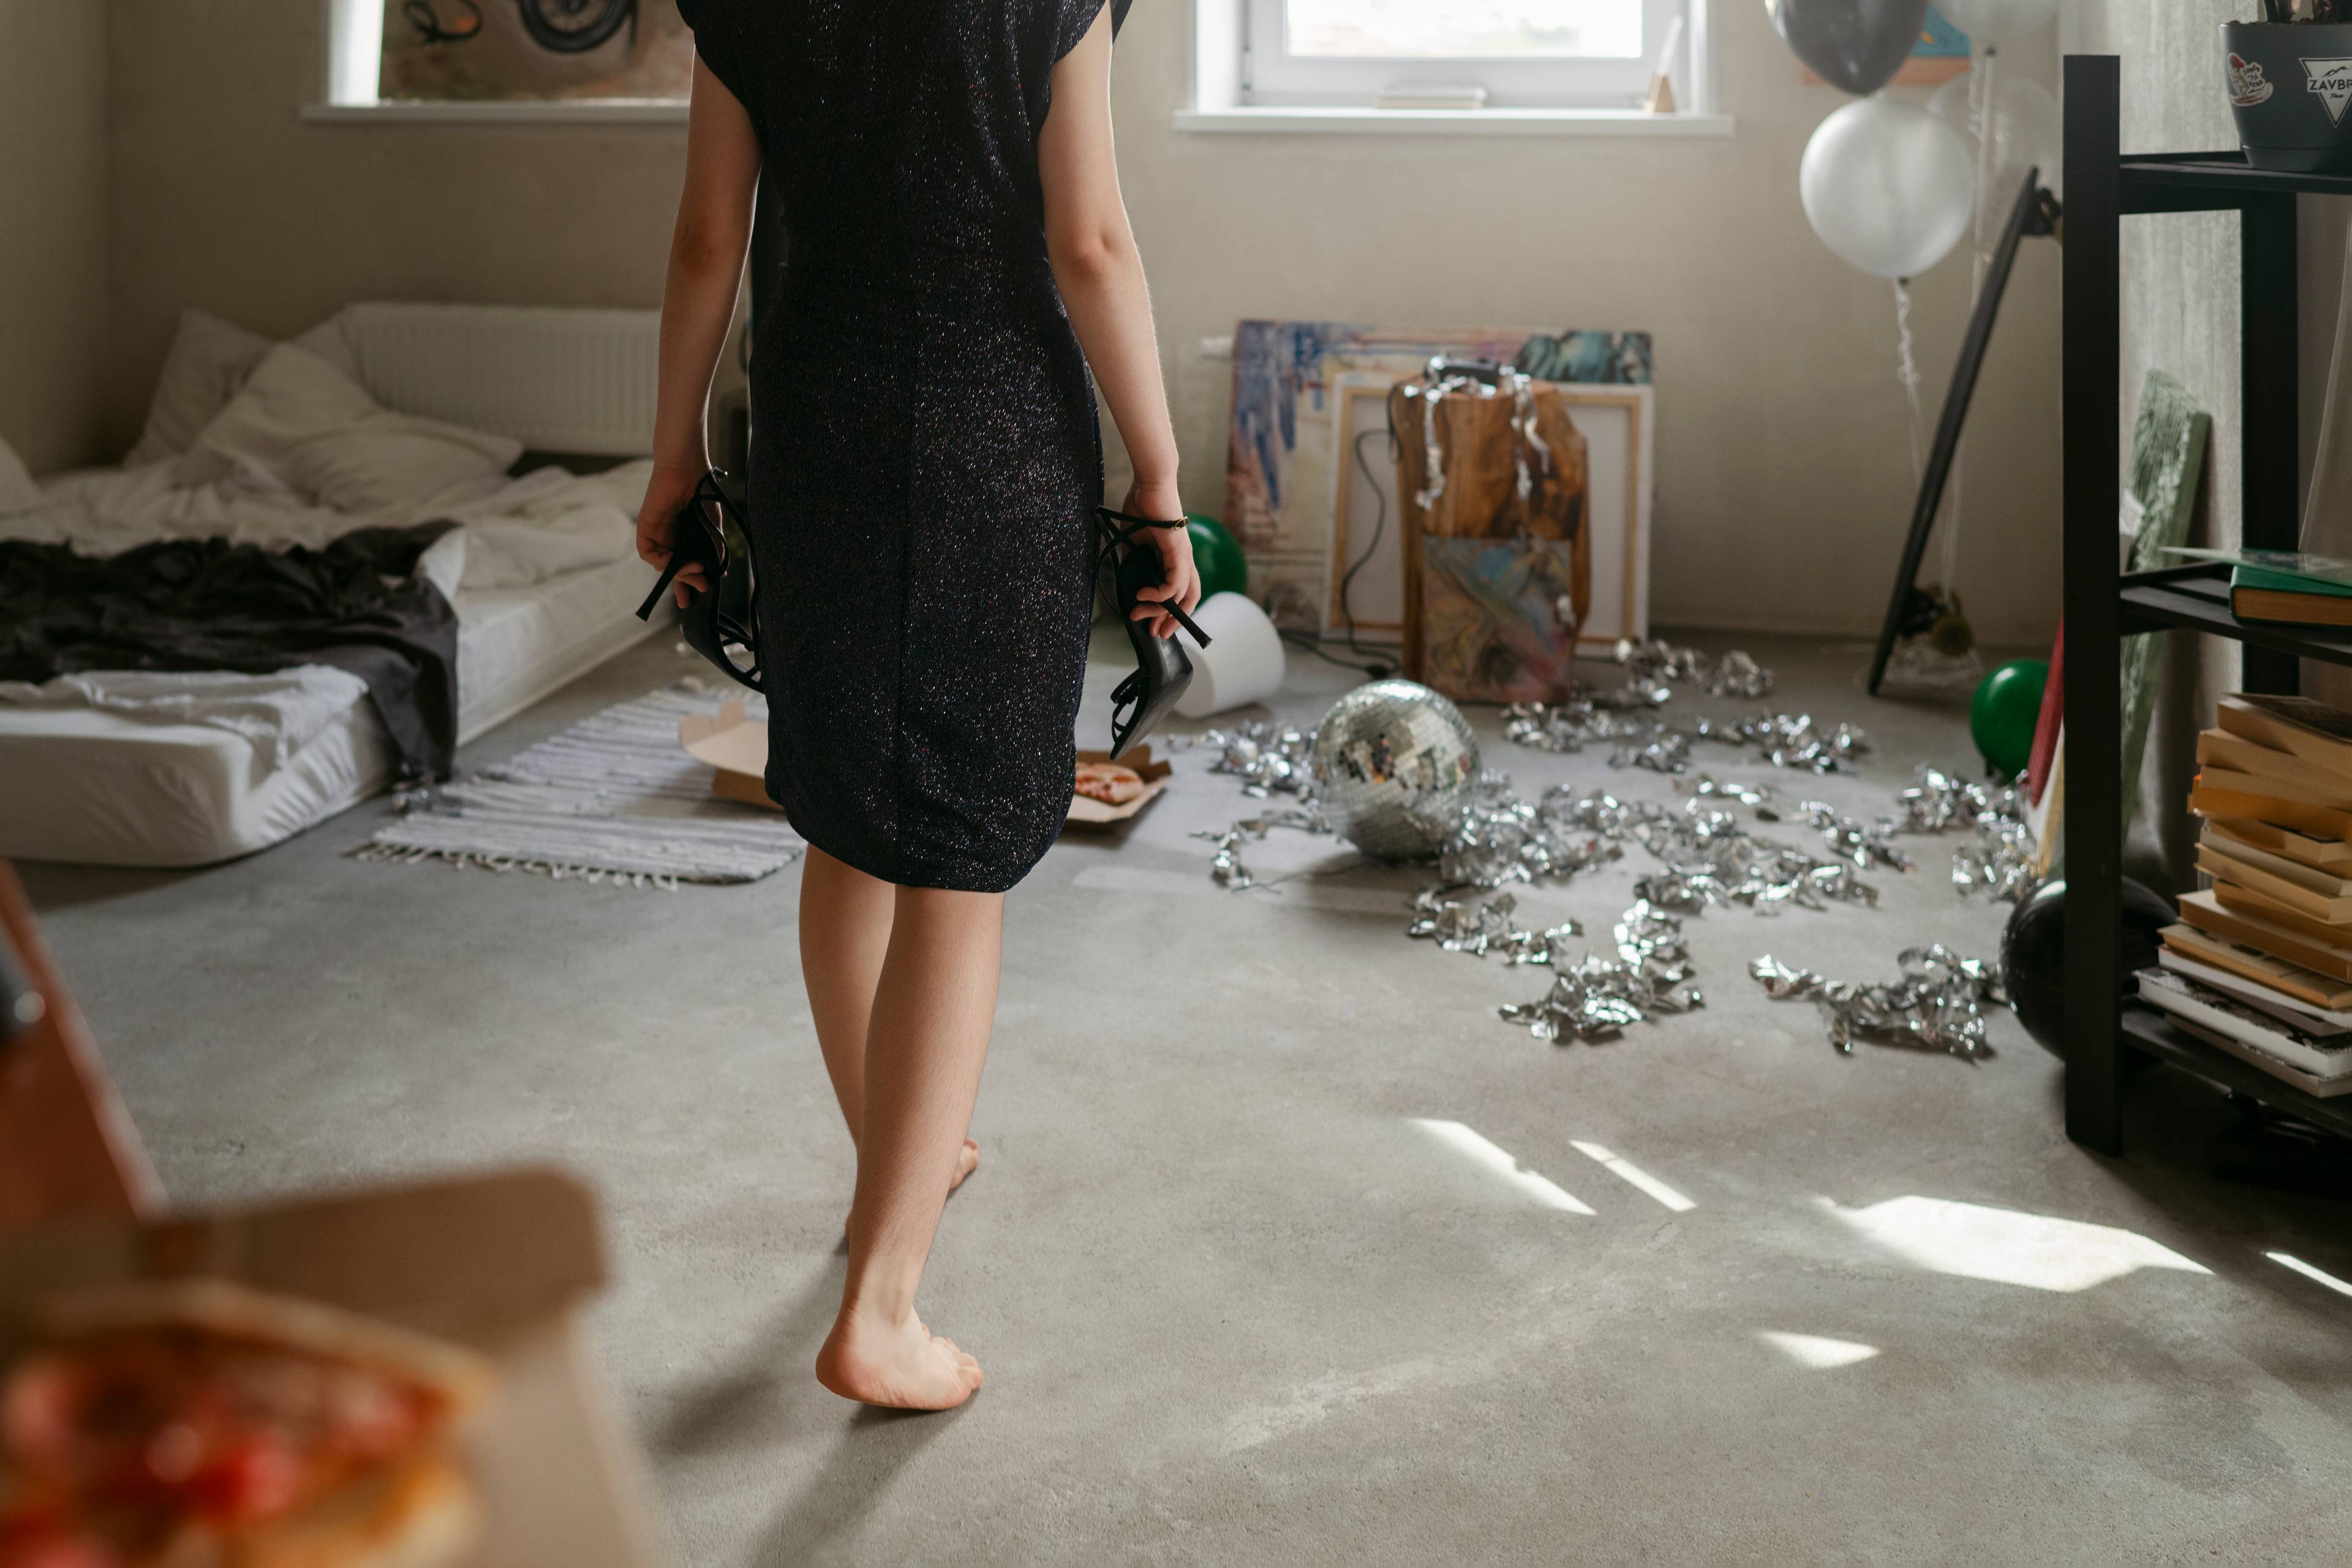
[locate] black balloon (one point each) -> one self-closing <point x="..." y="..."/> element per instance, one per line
<point x="1858" y="45"/>
<point x="2033" y="954"/>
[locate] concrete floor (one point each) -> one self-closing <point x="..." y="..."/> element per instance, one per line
<point x="1235" y="1305"/>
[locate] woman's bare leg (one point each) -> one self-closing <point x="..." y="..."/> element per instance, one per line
<point x="926" y="1040"/>
<point x="846" y="918"/>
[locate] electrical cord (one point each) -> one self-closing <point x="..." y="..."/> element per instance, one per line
<point x="1372" y="664"/>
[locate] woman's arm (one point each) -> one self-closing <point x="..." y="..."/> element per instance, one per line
<point x="1101" y="273"/>
<point x="705" y="267"/>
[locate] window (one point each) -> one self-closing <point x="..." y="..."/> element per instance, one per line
<point x="1524" y="54"/>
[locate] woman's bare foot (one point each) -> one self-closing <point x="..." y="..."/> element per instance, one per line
<point x="902" y="1365"/>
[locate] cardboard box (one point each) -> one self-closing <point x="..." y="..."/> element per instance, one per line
<point x="1087" y="812"/>
<point x="498" y="1262"/>
<point x="736" y="748"/>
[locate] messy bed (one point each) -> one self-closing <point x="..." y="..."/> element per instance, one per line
<point x="326" y="566"/>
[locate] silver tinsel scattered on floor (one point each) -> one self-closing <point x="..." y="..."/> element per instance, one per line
<point x="1593" y="998"/>
<point x="1705" y="854"/>
<point x="1226" y="864"/>
<point x="1998" y="858"/>
<point x="1936" y="1004"/>
<point x="1269" y="759"/>
<point x="1479" y="929"/>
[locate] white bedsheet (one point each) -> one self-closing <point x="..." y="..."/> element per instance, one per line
<point x="135" y="769"/>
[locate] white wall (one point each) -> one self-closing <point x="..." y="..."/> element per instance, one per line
<point x="53" y="214"/>
<point x="1784" y="466"/>
<point x="1784" y="470"/>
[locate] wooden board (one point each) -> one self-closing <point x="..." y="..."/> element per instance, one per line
<point x="66" y="1146"/>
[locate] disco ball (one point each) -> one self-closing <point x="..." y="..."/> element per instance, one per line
<point x="1395" y="763"/>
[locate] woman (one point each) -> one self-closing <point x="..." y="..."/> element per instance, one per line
<point x="925" y="464"/>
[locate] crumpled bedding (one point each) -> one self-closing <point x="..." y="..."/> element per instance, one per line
<point x="511" y="533"/>
<point x="277" y="714"/>
<point x="520" y="531"/>
<point x="358" y="603"/>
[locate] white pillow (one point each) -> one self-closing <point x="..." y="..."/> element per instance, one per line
<point x="209" y="360"/>
<point x="330" y="343"/>
<point x="316" y="428"/>
<point x="18" y="493"/>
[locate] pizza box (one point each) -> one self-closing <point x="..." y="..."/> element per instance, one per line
<point x="500" y="1263"/>
<point x="736" y="748"/>
<point x="1087" y="812"/>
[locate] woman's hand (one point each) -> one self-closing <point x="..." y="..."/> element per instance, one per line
<point x="665" y="494"/>
<point x="1180" y="580"/>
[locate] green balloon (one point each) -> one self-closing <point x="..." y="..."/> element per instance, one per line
<point x="1218" y="554"/>
<point x="2004" y="712"/>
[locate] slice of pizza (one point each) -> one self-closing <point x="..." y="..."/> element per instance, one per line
<point x="197" y="1424"/>
<point x="1108" y="783"/>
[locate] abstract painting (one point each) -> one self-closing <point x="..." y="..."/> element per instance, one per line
<point x="506" y="49"/>
<point x="1497" y="617"/>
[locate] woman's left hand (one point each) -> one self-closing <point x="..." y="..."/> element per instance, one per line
<point x="1179" y="579"/>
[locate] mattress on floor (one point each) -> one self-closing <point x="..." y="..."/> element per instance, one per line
<point x="95" y="787"/>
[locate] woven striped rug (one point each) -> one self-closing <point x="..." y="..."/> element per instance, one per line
<point x="612" y="798"/>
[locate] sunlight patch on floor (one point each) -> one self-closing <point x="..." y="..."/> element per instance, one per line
<point x="2006" y="1245"/>
<point x="2309" y="1271"/>
<point x="1629" y="1172"/>
<point x="1492" y="1157"/>
<point x="1813" y="1351"/>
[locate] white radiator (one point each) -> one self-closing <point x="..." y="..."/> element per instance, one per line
<point x="557" y="380"/>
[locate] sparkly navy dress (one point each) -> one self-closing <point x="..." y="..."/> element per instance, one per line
<point x="924" y="452"/>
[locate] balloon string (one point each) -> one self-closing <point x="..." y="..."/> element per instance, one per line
<point x="1982" y="122"/>
<point x="1907" y="371"/>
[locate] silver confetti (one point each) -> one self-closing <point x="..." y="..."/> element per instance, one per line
<point x="1850" y="840"/>
<point x="1936" y="1004"/>
<point x="1267" y="758"/>
<point x="1998" y="858"/>
<point x="1593" y="998"/>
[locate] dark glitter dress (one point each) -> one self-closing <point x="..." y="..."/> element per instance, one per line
<point x="924" y="455"/>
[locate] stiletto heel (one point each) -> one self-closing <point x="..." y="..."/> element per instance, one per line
<point x="1162" y="670"/>
<point x="698" y="537"/>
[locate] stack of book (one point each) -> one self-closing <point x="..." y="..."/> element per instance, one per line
<point x="2261" y="965"/>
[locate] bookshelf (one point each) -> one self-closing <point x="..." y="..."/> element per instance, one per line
<point x="2104" y="605"/>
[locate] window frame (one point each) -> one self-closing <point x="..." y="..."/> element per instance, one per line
<point x="1270" y="77"/>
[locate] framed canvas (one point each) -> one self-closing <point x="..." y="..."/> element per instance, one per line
<point x="1619" y="435"/>
<point x="1286" y="452"/>
<point x="1367" y="525"/>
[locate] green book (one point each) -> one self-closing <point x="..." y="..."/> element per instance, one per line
<point x="2269" y="579"/>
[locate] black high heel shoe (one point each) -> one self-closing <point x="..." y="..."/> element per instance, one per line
<point x="698" y="537"/>
<point x="1162" y="671"/>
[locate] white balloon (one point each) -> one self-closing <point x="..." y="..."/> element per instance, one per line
<point x="2027" y="132"/>
<point x="1888" y="187"/>
<point x="1993" y="23"/>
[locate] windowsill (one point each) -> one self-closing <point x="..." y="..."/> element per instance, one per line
<point x="512" y="112"/>
<point x="1288" y="119"/>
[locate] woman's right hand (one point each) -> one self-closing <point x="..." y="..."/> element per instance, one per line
<point x="666" y="493"/>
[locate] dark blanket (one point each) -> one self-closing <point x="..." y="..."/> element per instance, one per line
<point x="205" y="603"/>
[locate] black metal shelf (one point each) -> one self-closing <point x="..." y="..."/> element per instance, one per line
<point x="2190" y="181"/>
<point x="2197" y="599"/>
<point x="2151" y="1031"/>
<point x="2104" y="187"/>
